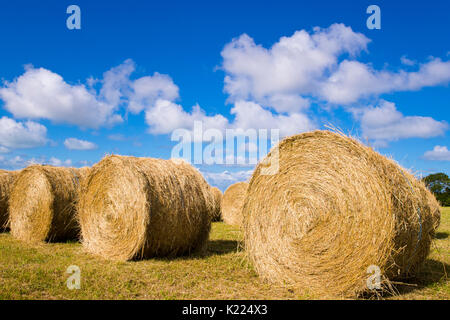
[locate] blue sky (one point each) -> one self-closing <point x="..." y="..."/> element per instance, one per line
<point x="133" y="73"/>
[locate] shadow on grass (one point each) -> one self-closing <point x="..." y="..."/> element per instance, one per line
<point x="222" y="246"/>
<point x="432" y="272"/>
<point x="441" y="235"/>
<point x="213" y="247"/>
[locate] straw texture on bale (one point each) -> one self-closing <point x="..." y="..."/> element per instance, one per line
<point x="232" y="202"/>
<point x="333" y="209"/>
<point x="6" y="181"/>
<point x="133" y="208"/>
<point x="217" y="196"/>
<point x="43" y="203"/>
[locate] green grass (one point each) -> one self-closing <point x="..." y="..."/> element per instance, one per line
<point x="223" y="273"/>
<point x="432" y="282"/>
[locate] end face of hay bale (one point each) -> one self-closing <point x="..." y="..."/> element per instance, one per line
<point x="133" y="208"/>
<point x="42" y="204"/>
<point x="232" y="202"/>
<point x="335" y="208"/>
<point x="6" y="181"/>
<point x="217" y="199"/>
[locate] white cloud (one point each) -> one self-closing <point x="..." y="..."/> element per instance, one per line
<point x="226" y="178"/>
<point x="76" y="144"/>
<point x="354" y="80"/>
<point x="385" y="123"/>
<point x="317" y="65"/>
<point x="250" y="115"/>
<point x="42" y="94"/>
<point x="167" y="116"/>
<point x="116" y="83"/>
<point x="13" y="163"/>
<point x="291" y="67"/>
<point x="407" y="62"/>
<point x="147" y="90"/>
<point x="4" y="149"/>
<point x="19" y="135"/>
<point x="19" y="162"/>
<point x="59" y="163"/>
<point x="439" y="153"/>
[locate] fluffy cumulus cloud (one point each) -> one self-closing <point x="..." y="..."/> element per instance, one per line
<point x="385" y="123"/>
<point x="147" y="90"/>
<point x="354" y="80"/>
<point x="439" y="153"/>
<point x="77" y="144"/>
<point x="20" y="135"/>
<point x="250" y="115"/>
<point x="42" y="94"/>
<point x="137" y="94"/>
<point x="292" y="67"/>
<point x="166" y="116"/>
<point x="320" y="65"/>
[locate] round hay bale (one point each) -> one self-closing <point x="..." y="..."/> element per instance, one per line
<point x="217" y="196"/>
<point x="6" y="181"/>
<point x="43" y="203"/>
<point x="333" y="209"/>
<point x="232" y="202"/>
<point x="133" y="208"/>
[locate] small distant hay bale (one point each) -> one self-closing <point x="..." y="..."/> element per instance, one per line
<point x="43" y="203"/>
<point x="232" y="202"/>
<point x="6" y="181"/>
<point x="334" y="208"/>
<point x="134" y="208"/>
<point x="217" y="212"/>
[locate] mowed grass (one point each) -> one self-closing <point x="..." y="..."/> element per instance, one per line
<point x="39" y="272"/>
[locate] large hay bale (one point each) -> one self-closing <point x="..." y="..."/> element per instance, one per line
<point x="43" y="203"/>
<point x="334" y="208"/>
<point x="133" y="208"/>
<point x="232" y="202"/>
<point x="6" y="181"/>
<point x="217" y="196"/>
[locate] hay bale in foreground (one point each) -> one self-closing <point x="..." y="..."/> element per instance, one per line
<point x="43" y="203"/>
<point x="232" y="202"/>
<point x="6" y="181"/>
<point x="133" y="208"/>
<point x="217" y="212"/>
<point x="334" y="208"/>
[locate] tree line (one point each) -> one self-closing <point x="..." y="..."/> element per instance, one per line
<point x="439" y="184"/>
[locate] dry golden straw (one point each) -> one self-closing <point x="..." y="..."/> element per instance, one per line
<point x="6" y="181"/>
<point x="43" y="203"/>
<point x="232" y="202"/>
<point x="217" y="196"/>
<point x="334" y="208"/>
<point x="134" y="208"/>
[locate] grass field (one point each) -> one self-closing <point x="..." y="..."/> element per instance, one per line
<point x="223" y="273"/>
